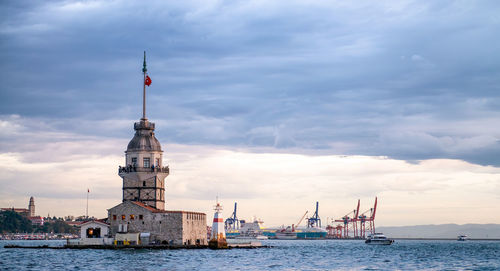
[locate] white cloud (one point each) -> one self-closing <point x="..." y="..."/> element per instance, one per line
<point x="277" y="187"/>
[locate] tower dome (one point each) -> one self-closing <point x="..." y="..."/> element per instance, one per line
<point x="144" y="138"/>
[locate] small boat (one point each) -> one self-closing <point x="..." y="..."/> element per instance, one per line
<point x="378" y="239"/>
<point x="462" y="238"/>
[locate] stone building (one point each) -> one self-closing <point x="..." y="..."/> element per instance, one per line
<point x="166" y="227"/>
<point x="143" y="203"/>
<point x="30" y="212"/>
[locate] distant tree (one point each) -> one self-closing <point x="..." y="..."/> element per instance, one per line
<point x="11" y="221"/>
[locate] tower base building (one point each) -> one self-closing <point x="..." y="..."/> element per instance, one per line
<point x="165" y="227"/>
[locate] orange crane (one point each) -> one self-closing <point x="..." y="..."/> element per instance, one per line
<point x="300" y="221"/>
<point x="371" y="219"/>
<point x="347" y="219"/>
<point x="362" y="226"/>
<point x="334" y="231"/>
<point x="354" y="221"/>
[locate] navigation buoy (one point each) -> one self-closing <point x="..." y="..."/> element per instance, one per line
<point x="218" y="236"/>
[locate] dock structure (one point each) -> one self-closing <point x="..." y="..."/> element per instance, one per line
<point x="118" y="247"/>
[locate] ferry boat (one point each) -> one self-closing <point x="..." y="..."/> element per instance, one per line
<point x="462" y="238"/>
<point x="250" y="230"/>
<point x="378" y="239"/>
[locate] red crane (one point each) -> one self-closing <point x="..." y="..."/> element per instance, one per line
<point x="371" y="219"/>
<point x="355" y="221"/>
<point x="347" y="219"/>
<point x="334" y="231"/>
<point x="362" y="226"/>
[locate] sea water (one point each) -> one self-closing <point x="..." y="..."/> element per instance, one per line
<point x="282" y="255"/>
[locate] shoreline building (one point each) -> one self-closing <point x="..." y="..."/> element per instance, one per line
<point x="142" y="209"/>
<point x="23" y="211"/>
<point x="28" y="213"/>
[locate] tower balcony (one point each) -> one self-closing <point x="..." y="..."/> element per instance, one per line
<point x="131" y="168"/>
<point x="144" y="125"/>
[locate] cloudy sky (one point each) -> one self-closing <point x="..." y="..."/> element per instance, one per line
<point x="274" y="104"/>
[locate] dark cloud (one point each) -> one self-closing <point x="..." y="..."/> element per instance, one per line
<point x="413" y="80"/>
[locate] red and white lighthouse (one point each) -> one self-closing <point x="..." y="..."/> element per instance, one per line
<point x="218" y="236"/>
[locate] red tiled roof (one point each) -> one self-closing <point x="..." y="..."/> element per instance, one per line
<point x="93" y="221"/>
<point x="15" y="209"/>
<point x="74" y="223"/>
<point x="186" y="212"/>
<point x="152" y="209"/>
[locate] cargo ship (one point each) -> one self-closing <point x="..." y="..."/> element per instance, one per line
<point x="311" y="233"/>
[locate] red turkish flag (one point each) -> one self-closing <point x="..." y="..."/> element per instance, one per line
<point x="147" y="81"/>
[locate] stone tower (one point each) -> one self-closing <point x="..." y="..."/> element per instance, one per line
<point x="31" y="207"/>
<point x="144" y="174"/>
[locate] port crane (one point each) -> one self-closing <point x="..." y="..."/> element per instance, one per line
<point x="371" y="219"/>
<point x="232" y="223"/>
<point x="334" y="231"/>
<point x="350" y="218"/>
<point x="300" y="221"/>
<point x="314" y="221"/>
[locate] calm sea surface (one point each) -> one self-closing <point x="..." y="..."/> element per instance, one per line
<point x="284" y="255"/>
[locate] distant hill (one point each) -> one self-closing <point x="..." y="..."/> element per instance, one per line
<point x="475" y="231"/>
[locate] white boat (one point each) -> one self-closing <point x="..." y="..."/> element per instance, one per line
<point x="462" y="238"/>
<point x="378" y="239"/>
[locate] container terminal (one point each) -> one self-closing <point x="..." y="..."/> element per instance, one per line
<point x="353" y="225"/>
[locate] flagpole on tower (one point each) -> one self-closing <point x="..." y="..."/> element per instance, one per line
<point x="144" y="70"/>
<point x="87" y="210"/>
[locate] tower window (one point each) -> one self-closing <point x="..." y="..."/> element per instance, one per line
<point x="134" y="161"/>
<point x="114" y="217"/>
<point x="146" y="162"/>
<point x="123" y="217"/>
<point x="132" y="217"/>
<point x="143" y="183"/>
<point x="157" y="162"/>
<point x="140" y="217"/>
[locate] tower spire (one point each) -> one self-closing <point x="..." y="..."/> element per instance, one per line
<point x="144" y="70"/>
